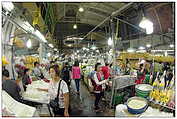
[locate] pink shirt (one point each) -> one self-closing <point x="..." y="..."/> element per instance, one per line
<point x="76" y="72"/>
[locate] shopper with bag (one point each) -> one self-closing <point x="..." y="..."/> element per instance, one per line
<point x="97" y="84"/>
<point x="58" y="92"/>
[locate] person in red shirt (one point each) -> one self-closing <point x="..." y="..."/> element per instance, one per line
<point x="98" y="86"/>
<point x="141" y="73"/>
<point x="106" y="71"/>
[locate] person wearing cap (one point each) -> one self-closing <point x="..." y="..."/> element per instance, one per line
<point x="141" y="72"/>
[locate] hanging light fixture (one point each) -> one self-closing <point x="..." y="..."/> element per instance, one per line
<point x="49" y="54"/>
<point x="171" y="45"/>
<point x="29" y="44"/>
<point x="130" y="50"/>
<point x="81" y="9"/>
<point x="84" y="48"/>
<point x="93" y="47"/>
<point x="141" y="51"/>
<point x="69" y="45"/>
<point x="51" y="45"/>
<point x="148" y="45"/>
<point x="141" y="48"/>
<point x="147" y="25"/>
<point x="75" y="26"/>
<point x="110" y="42"/>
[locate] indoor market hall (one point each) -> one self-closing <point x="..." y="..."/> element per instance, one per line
<point x="88" y="59"/>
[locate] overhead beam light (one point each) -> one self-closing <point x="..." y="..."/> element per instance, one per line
<point x="148" y="45"/>
<point x="81" y="9"/>
<point x="162" y="50"/>
<point x="75" y="26"/>
<point x="141" y="51"/>
<point x="110" y="42"/>
<point x="93" y="47"/>
<point x="147" y="25"/>
<point x="141" y="48"/>
<point x="40" y="36"/>
<point x="171" y="46"/>
<point x="29" y="44"/>
<point x="51" y="45"/>
<point x="84" y="48"/>
<point x="49" y="54"/>
<point x="130" y="50"/>
<point x="9" y="6"/>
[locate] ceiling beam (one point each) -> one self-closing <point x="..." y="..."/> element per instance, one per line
<point x="156" y="6"/>
<point x="100" y="15"/>
<point x="110" y="6"/>
<point x="93" y="22"/>
<point x="98" y="8"/>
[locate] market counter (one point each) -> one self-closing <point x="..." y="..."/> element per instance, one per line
<point x="121" y="111"/>
<point x="13" y="108"/>
<point x="34" y="95"/>
<point x="123" y="81"/>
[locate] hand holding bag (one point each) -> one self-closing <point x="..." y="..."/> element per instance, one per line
<point x="54" y="103"/>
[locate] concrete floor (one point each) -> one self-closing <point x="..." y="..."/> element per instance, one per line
<point x="83" y="105"/>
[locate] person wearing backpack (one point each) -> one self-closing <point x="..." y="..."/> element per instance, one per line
<point x="97" y="83"/>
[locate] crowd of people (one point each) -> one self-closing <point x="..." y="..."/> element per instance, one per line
<point x="60" y="82"/>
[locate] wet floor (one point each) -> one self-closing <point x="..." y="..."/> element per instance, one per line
<point x="83" y="105"/>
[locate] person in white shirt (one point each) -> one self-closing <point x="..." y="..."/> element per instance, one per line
<point x="37" y="72"/>
<point x="63" y="92"/>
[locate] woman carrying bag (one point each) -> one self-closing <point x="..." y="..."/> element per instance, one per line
<point x="58" y="88"/>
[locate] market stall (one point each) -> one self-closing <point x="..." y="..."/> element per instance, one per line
<point x="125" y="51"/>
<point x="34" y="95"/>
<point x="13" y="108"/>
<point x="155" y="105"/>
